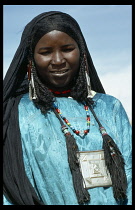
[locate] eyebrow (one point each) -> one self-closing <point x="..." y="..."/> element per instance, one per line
<point x="48" y="48"/>
<point x="44" y="48"/>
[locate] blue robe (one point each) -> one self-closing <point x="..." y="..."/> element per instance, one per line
<point x="45" y="153"/>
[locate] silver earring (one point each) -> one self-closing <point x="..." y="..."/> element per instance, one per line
<point x="32" y="91"/>
<point x="87" y="78"/>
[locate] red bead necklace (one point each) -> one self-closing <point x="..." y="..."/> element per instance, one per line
<point x="58" y="92"/>
<point x="77" y="132"/>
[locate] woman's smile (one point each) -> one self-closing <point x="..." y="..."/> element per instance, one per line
<point x="59" y="72"/>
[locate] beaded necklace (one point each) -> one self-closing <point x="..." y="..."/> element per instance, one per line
<point x="77" y="132"/>
<point x="59" y="93"/>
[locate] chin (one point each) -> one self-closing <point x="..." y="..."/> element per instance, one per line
<point x="63" y="86"/>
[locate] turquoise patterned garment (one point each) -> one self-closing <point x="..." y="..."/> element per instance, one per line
<point x="45" y="153"/>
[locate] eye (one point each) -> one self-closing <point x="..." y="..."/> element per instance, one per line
<point x="45" y="53"/>
<point x="68" y="49"/>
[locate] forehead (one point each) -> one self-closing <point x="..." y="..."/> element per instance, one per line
<point x="56" y="37"/>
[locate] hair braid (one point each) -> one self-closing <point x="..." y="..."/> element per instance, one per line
<point x="45" y="97"/>
<point x="78" y="92"/>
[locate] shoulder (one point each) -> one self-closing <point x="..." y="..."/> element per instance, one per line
<point x="25" y="100"/>
<point x="105" y="98"/>
<point x="107" y="102"/>
<point x="27" y="109"/>
<point x="26" y="103"/>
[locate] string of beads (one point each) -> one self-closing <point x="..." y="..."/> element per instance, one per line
<point x="59" y="93"/>
<point x="77" y="132"/>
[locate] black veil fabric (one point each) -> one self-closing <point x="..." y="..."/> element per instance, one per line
<point x="17" y="188"/>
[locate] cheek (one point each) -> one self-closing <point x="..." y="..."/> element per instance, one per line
<point x="41" y="61"/>
<point x="41" y="66"/>
<point x="74" y="59"/>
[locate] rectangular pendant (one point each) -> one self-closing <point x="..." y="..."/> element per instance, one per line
<point x="94" y="170"/>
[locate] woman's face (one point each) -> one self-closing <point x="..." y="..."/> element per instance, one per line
<point x="57" y="57"/>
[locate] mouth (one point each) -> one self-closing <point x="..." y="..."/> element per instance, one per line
<point x="59" y="72"/>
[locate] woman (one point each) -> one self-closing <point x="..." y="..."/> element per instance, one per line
<point x="66" y="142"/>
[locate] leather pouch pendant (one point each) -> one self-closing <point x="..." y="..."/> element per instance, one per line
<point x="93" y="168"/>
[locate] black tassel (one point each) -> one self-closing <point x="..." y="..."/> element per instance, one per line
<point x="73" y="160"/>
<point x="72" y="149"/>
<point x="115" y="164"/>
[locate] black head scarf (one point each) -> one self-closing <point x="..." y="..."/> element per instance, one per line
<point x="17" y="187"/>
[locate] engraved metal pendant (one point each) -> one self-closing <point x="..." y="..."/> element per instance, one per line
<point x="93" y="168"/>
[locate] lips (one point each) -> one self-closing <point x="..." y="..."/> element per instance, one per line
<point x="59" y="71"/>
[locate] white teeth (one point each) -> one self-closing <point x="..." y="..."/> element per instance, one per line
<point x="59" y="72"/>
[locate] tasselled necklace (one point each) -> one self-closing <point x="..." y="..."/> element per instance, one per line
<point x="77" y="132"/>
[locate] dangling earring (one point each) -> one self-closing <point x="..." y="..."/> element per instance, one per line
<point x="32" y="91"/>
<point x="87" y="78"/>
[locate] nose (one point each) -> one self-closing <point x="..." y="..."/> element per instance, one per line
<point x="58" y="61"/>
